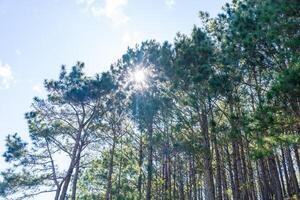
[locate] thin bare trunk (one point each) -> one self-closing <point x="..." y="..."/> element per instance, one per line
<point x="75" y="158"/>
<point x="75" y="178"/>
<point x="294" y="182"/>
<point x="140" y="163"/>
<point x="276" y="188"/>
<point x="110" y="171"/>
<point x="150" y="162"/>
<point x="208" y="172"/>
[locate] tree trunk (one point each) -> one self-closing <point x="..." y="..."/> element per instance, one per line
<point x="276" y="186"/>
<point x="286" y="175"/>
<point x="252" y="188"/>
<point x="236" y="186"/>
<point x="194" y="178"/>
<point x="224" y="179"/>
<point x="75" y="180"/>
<point x="169" y="175"/>
<point x="120" y="170"/>
<point x="165" y="171"/>
<point x="110" y="171"/>
<point x="181" y="184"/>
<point x="218" y="176"/>
<point x="57" y="193"/>
<point x="292" y="173"/>
<point x="75" y="158"/>
<point x="232" y="182"/>
<point x="245" y="174"/>
<point x="208" y="172"/>
<point x="175" y="165"/>
<point x="150" y="161"/>
<point x="297" y="157"/>
<point x="140" y="163"/>
<point x="280" y="176"/>
<point x="189" y="182"/>
<point x="265" y="189"/>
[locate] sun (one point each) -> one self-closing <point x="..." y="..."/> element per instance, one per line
<point x="139" y="76"/>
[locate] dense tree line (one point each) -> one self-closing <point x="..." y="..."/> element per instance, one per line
<point x="217" y="116"/>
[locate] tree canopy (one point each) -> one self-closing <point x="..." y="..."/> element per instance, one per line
<point x="212" y="115"/>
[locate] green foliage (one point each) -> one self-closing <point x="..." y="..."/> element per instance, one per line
<point x="225" y="96"/>
<point x="16" y="148"/>
<point x="93" y="180"/>
<point x="287" y="85"/>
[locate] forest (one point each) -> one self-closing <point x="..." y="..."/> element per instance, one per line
<point x="212" y="115"/>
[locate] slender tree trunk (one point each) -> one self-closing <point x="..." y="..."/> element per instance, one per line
<point x="201" y="189"/>
<point x="150" y="161"/>
<point x="224" y="179"/>
<point x="181" y="184"/>
<point x="158" y="189"/>
<point x="281" y="176"/>
<point x="236" y="188"/>
<point x="75" y="180"/>
<point x="286" y="175"/>
<point x="110" y="171"/>
<point x="140" y="163"/>
<point x="175" y="165"/>
<point x="276" y="188"/>
<point x="57" y="192"/>
<point x="189" y="176"/>
<point x="67" y="180"/>
<point x="218" y="176"/>
<point x="165" y="171"/>
<point x="264" y="180"/>
<point x="75" y="158"/>
<point x="259" y="180"/>
<point x="245" y="174"/>
<point x="232" y="182"/>
<point x="208" y="172"/>
<point x="252" y="187"/>
<point x="120" y="170"/>
<point x="292" y="173"/>
<point x="169" y="174"/>
<point x="297" y="156"/>
<point x="194" y="178"/>
<point x="58" y="185"/>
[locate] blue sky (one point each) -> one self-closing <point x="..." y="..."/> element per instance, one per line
<point x="37" y="37"/>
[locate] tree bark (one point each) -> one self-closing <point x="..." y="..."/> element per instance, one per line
<point x="232" y="182"/>
<point x="292" y="173"/>
<point x="181" y="184"/>
<point x="208" y="172"/>
<point x="140" y="163"/>
<point x="194" y="178"/>
<point x="245" y="174"/>
<point x="286" y="175"/>
<point x="280" y="176"/>
<point x="150" y="161"/>
<point x="297" y="156"/>
<point x="236" y="185"/>
<point x="218" y="176"/>
<point x="75" y="158"/>
<point x="75" y="180"/>
<point x="265" y="189"/>
<point x="276" y="188"/>
<point x="110" y="170"/>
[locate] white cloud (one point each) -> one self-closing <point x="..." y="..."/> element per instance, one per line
<point x="112" y="10"/>
<point x="6" y="77"/>
<point x="170" y="3"/>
